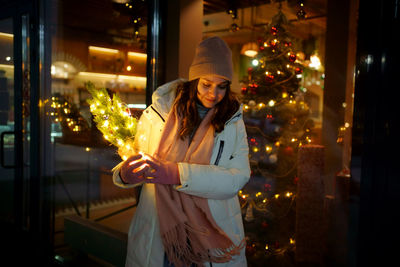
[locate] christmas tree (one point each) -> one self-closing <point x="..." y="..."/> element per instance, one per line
<point x="277" y="122"/>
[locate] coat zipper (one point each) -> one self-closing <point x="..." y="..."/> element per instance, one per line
<point x="221" y="148"/>
<point x="157" y="113"/>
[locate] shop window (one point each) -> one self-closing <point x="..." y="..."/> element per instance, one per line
<point x="102" y="43"/>
<point x="298" y="123"/>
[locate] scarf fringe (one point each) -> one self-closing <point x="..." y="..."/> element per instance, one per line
<point x="182" y="255"/>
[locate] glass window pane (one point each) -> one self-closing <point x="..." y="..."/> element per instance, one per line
<point x="104" y="43"/>
<point x="294" y="73"/>
<point x="7" y="118"/>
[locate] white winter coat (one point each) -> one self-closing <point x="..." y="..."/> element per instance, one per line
<point x="219" y="182"/>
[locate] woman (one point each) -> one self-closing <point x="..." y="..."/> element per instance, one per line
<point x="193" y="162"/>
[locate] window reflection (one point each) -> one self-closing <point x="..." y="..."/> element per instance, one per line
<point x="102" y="42"/>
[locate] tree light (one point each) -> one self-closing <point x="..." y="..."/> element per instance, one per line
<point x="254" y="62"/>
<point x="271" y="103"/>
<point x="315" y="62"/>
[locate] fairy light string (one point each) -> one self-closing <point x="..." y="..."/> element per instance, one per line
<point x="113" y="119"/>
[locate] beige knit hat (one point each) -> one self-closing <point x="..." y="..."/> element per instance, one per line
<point x="213" y="57"/>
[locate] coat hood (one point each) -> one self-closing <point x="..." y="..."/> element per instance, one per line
<point x="164" y="96"/>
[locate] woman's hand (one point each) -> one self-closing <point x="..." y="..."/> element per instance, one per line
<point x="134" y="169"/>
<point x="162" y="171"/>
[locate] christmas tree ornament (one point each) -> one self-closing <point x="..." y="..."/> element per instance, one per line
<point x="267" y="187"/>
<point x="298" y="70"/>
<point x="252" y="103"/>
<point x="292" y="57"/>
<point x="269" y="78"/>
<point x="274" y="30"/>
<point x="277" y="115"/>
<point x="273" y="158"/>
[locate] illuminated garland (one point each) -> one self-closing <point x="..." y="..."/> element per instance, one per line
<point x="260" y="202"/>
<point x="67" y="114"/>
<point x="113" y="119"/>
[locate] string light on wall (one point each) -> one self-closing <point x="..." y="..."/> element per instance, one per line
<point x="232" y="11"/>
<point x="301" y="13"/>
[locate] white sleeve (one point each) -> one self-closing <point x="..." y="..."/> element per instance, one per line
<point x="216" y="182"/>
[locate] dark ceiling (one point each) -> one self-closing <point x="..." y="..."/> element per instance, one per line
<point x="114" y="18"/>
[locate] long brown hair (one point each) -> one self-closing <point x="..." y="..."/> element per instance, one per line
<point x="185" y="103"/>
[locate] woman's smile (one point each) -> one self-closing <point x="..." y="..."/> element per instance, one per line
<point x="211" y="90"/>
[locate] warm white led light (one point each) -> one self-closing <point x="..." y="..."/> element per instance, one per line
<point x="136" y="54"/>
<point x="103" y="49"/>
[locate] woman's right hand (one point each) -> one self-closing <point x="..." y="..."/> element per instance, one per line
<point x="133" y="169"/>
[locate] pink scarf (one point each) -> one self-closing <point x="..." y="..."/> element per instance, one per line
<point x="188" y="230"/>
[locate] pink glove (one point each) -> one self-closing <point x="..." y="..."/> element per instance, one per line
<point x="162" y="171"/>
<point x="133" y="170"/>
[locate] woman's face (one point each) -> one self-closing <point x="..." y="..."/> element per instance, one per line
<point x="211" y="89"/>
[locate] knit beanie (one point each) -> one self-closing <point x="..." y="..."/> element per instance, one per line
<point x="213" y="57"/>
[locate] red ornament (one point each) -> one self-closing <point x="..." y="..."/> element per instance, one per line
<point x="296" y="180"/>
<point x="244" y="90"/>
<point x="292" y="57"/>
<point x="253" y="141"/>
<point x="288" y="44"/>
<point x="261" y="48"/>
<point x="267" y="187"/>
<point x="250" y="70"/>
<point x="274" y="30"/>
<point x="269" y="78"/>
<point x="298" y="70"/>
<point x="253" y="88"/>
<point x="273" y="44"/>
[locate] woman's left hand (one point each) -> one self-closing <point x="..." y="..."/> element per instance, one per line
<point x="162" y="171"/>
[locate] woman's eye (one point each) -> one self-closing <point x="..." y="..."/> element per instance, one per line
<point x="223" y="86"/>
<point x="206" y="85"/>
